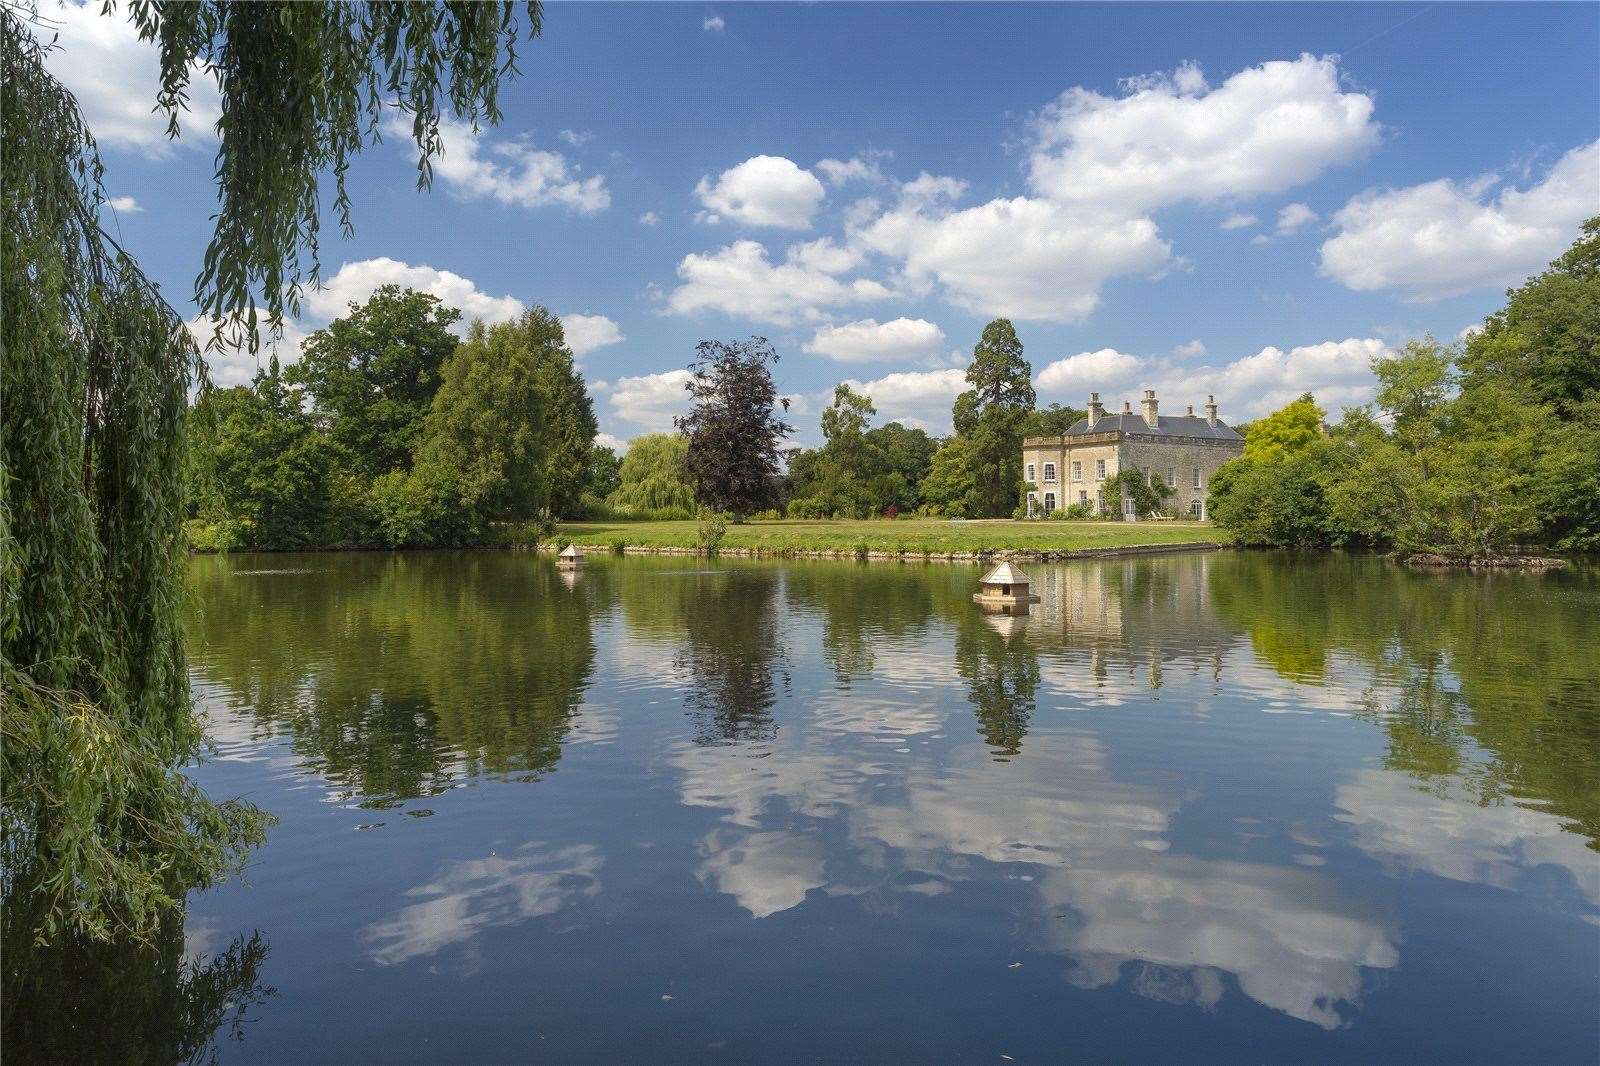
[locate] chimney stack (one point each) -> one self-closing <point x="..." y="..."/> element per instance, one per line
<point x="1150" y="418"/>
<point x="1191" y="410"/>
<point x="1127" y="407"/>
<point x="1211" y="410"/>
<point x="1096" y="412"/>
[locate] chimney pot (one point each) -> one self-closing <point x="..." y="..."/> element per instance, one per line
<point x="1096" y="412"/>
<point x="1191" y="409"/>
<point x="1127" y="407"/>
<point x="1150" y="418"/>
<point x="1211" y="410"/>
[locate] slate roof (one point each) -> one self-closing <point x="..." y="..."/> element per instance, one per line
<point x="1168" y="426"/>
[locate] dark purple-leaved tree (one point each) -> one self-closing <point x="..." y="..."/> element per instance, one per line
<point x="734" y="427"/>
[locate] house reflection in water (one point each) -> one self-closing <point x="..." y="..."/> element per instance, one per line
<point x="1145" y="614"/>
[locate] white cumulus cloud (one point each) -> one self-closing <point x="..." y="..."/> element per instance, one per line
<point x="649" y="218"/>
<point x="511" y="172"/>
<point x="1293" y="216"/>
<point x="869" y="340"/>
<point x="115" y="77"/>
<point x="1239" y="221"/>
<point x="714" y="24"/>
<point x="1089" y="372"/>
<point x="125" y="204"/>
<point x="764" y="190"/>
<point x="1337" y="373"/>
<point x="856" y="168"/>
<point x="585" y="333"/>
<point x="1025" y="258"/>
<point x="738" y="279"/>
<point x="1171" y="139"/>
<point x="919" y="397"/>
<point x="1443" y="238"/>
<point x="651" y="400"/>
<point x="356" y="281"/>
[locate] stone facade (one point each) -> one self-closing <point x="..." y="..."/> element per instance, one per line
<point x="1181" y="451"/>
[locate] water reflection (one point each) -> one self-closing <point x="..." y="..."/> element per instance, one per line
<point x="154" y="1003"/>
<point x="466" y="898"/>
<point x="1245" y="784"/>
<point x="722" y="625"/>
<point x="397" y="675"/>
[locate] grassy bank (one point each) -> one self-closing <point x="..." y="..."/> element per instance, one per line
<point x="915" y="536"/>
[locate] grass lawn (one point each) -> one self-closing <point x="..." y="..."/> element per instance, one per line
<point x="915" y="535"/>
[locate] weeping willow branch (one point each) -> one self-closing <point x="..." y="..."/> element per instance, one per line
<point x="100" y="833"/>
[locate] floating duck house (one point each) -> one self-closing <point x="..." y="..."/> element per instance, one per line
<point x="570" y="558"/>
<point x="1004" y="586"/>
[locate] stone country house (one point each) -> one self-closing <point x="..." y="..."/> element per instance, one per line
<point x="1182" y="451"/>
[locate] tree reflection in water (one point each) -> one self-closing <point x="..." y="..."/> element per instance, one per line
<point x="138" y="1004"/>
<point x="395" y="675"/>
<point x="1482" y="682"/>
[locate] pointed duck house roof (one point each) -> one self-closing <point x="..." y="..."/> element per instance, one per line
<point x="1004" y="574"/>
<point x="571" y="552"/>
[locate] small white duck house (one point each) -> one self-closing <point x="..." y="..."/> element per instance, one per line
<point x="1004" y="586"/>
<point x="570" y="558"/>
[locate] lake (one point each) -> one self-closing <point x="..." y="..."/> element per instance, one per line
<point x="1215" y="807"/>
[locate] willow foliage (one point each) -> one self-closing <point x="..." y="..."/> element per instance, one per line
<point x="304" y="87"/>
<point x="99" y="832"/>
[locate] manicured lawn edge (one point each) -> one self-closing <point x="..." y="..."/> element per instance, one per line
<point x="896" y="541"/>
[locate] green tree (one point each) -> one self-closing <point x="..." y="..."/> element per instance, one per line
<point x="652" y="475"/>
<point x="603" y="473"/>
<point x="905" y="454"/>
<point x="372" y="374"/>
<point x="990" y="416"/>
<point x="1050" y="421"/>
<point x="101" y="833"/>
<point x="356" y="60"/>
<point x="1546" y="341"/>
<point x="270" y="465"/>
<point x="1287" y="430"/>
<point x="510" y="430"/>
<point x="1413" y="387"/>
<point x="948" y="488"/>
<point x="734" y="427"/>
<point x="1148" y="495"/>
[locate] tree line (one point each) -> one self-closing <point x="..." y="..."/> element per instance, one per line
<point x="390" y="431"/>
<point x="1474" y="448"/>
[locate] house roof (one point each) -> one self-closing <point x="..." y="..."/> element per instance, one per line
<point x="571" y="552"/>
<point x="1004" y="574"/>
<point x="1166" y="426"/>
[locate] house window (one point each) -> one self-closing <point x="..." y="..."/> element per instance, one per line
<point x="1049" y="499"/>
<point x="1197" y="477"/>
<point x="1033" y="502"/>
<point x="1077" y="471"/>
<point x="1099" y="469"/>
<point x="1030" y="472"/>
<point x="1099" y="501"/>
<point x="1194" y="508"/>
<point x="1150" y="476"/>
<point x="1127" y="506"/>
<point x="1083" y="497"/>
<point x="1172" y="477"/>
<point x="1049" y="473"/>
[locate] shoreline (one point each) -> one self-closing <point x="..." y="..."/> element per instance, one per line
<point x="906" y="555"/>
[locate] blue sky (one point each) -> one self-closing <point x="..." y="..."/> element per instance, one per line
<point x="1243" y="200"/>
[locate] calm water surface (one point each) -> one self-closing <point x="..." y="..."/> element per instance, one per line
<point x="1221" y="807"/>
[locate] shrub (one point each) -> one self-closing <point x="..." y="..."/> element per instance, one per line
<point x="710" y="529"/>
<point x="219" y="537"/>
